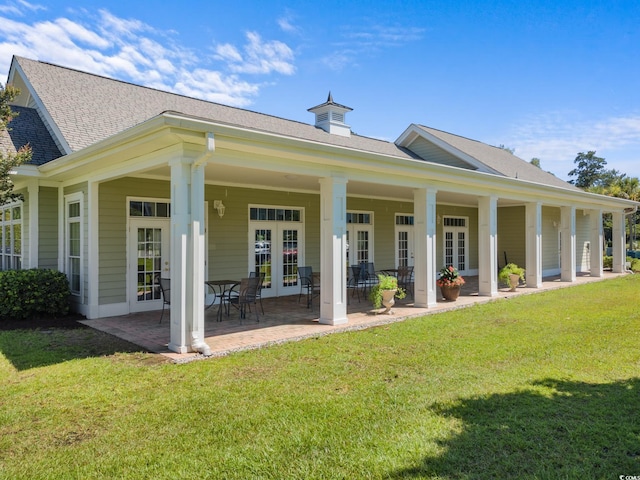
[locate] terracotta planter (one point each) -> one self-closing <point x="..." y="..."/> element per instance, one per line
<point x="388" y="299"/>
<point x="450" y="293"/>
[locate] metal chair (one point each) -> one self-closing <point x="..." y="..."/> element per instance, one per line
<point x="243" y="294"/>
<point x="307" y="283"/>
<point x="259" y="293"/>
<point x="165" y="289"/>
<point x="354" y="280"/>
<point x="405" y="278"/>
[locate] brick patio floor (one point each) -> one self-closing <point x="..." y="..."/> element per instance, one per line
<point x="286" y="319"/>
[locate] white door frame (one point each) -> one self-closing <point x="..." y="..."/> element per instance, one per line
<point x="455" y="230"/>
<point x="408" y="228"/>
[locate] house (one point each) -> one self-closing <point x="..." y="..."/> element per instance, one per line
<point x="128" y="184"/>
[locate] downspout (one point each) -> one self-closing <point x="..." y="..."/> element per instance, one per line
<point x="197" y="337"/>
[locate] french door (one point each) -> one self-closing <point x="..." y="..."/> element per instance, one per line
<point x="404" y="241"/>
<point x="455" y="233"/>
<point x="276" y="253"/>
<point x="148" y="261"/>
<point x="359" y="237"/>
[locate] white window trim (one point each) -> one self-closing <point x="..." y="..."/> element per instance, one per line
<point x="10" y="206"/>
<point x="68" y="200"/>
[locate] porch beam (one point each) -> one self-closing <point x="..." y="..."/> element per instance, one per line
<point x="619" y="242"/>
<point x="533" y="214"/>
<point x="568" y="244"/>
<point x="424" y="210"/>
<point x="596" y="243"/>
<point x="488" y="246"/>
<point x="333" y="250"/>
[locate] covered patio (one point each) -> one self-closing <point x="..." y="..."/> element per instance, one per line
<point x="286" y="319"/>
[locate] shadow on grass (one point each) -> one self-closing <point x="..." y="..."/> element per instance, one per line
<point x="555" y="429"/>
<point x="38" y="347"/>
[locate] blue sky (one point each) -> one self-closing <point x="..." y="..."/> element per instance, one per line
<point x="546" y="78"/>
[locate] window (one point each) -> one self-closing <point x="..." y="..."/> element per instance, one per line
<point x="275" y="214"/>
<point x="73" y="209"/>
<point x="11" y="236"/>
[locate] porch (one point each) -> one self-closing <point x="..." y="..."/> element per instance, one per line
<point x="286" y="319"/>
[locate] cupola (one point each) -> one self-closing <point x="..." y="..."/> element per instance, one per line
<point x="330" y="117"/>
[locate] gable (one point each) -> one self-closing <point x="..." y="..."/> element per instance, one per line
<point x="433" y="153"/>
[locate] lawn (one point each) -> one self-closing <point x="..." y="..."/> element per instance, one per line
<point x="537" y="386"/>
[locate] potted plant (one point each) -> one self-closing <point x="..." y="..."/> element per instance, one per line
<point x="450" y="282"/>
<point x="385" y="291"/>
<point x="510" y="275"/>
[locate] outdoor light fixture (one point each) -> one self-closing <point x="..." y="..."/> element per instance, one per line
<point x="219" y="206"/>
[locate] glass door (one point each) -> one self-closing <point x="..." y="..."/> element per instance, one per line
<point x="455" y="234"/>
<point x="148" y="261"/>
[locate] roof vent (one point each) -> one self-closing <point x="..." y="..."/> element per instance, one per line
<point x="330" y="117"/>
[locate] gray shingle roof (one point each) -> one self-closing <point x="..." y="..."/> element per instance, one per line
<point x="88" y="108"/>
<point x="27" y="128"/>
<point x="499" y="159"/>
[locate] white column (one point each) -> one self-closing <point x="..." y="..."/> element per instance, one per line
<point x="488" y="246"/>
<point x="619" y="242"/>
<point x="180" y="198"/>
<point x="333" y="250"/>
<point x="533" y="213"/>
<point x="596" y="243"/>
<point x="424" y="214"/>
<point x="33" y="190"/>
<point x="568" y="246"/>
<point x="196" y="263"/>
<point x="93" y="254"/>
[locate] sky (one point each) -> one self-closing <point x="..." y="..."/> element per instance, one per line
<point x="547" y="78"/>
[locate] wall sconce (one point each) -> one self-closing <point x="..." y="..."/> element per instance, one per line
<point x="555" y="224"/>
<point x="438" y="219"/>
<point x="219" y="206"/>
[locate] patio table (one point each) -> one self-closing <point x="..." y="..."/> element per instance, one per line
<point x="222" y="286"/>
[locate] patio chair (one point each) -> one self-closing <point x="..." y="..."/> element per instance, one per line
<point x="244" y="294"/>
<point x="354" y="280"/>
<point x="165" y="289"/>
<point x="405" y="279"/>
<point x="368" y="276"/>
<point x="259" y="293"/>
<point x="308" y="283"/>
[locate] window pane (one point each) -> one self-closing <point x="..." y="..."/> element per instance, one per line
<point x="74" y="210"/>
<point x="17" y="239"/>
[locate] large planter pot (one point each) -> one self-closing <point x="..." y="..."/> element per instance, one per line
<point x="388" y="299"/>
<point x="514" y="281"/>
<point x="450" y="293"/>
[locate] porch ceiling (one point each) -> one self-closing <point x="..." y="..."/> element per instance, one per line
<point x="258" y="178"/>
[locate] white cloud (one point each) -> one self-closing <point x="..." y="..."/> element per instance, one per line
<point x="259" y="57"/>
<point x="285" y="22"/>
<point x="130" y="50"/>
<point x="556" y="138"/>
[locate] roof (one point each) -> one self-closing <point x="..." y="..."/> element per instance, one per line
<point x="498" y="159"/>
<point x="101" y="107"/>
<point x="27" y="128"/>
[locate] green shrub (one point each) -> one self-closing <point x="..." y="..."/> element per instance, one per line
<point x="635" y="265"/>
<point x="33" y="293"/>
<point x="607" y="261"/>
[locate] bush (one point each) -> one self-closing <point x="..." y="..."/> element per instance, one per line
<point x="635" y="265"/>
<point x="33" y="293"/>
<point x="607" y="262"/>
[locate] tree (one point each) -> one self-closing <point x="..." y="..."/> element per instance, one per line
<point x="589" y="169"/>
<point x="508" y="149"/>
<point x="8" y="160"/>
<point x="535" y="162"/>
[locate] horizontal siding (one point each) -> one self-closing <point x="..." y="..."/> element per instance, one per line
<point x="583" y="229"/>
<point x="550" y="238"/>
<point x="113" y="235"/>
<point x="432" y="153"/>
<point x="48" y="228"/>
<point x="512" y="236"/>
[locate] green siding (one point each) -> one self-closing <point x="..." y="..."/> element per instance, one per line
<point x="550" y="238"/>
<point x="512" y="235"/>
<point x="48" y="227"/>
<point x="112" y="234"/>
<point x="433" y="153"/>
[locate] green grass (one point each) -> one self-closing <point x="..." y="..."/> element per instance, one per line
<point x="537" y="386"/>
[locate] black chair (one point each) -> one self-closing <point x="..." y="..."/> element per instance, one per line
<point x="354" y="280"/>
<point x="244" y="294"/>
<point x="308" y="283"/>
<point x="165" y="289"/>
<point x="405" y="279"/>
<point x="259" y="293"/>
<point x="368" y="276"/>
